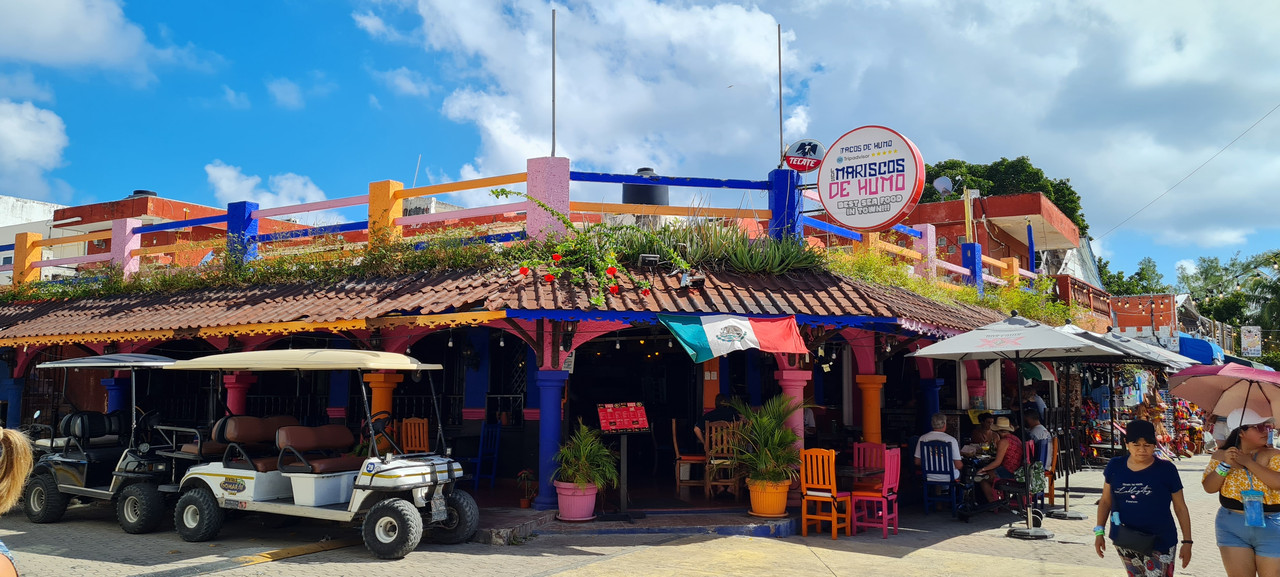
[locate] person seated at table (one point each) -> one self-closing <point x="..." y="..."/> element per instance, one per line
<point x="939" y="433"/>
<point x="722" y="412"/>
<point x="1035" y="430"/>
<point x="982" y="433"/>
<point x="1008" y="458"/>
<point x="1031" y="398"/>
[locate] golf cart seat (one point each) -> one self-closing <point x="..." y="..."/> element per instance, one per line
<point x="59" y="443"/>
<point x="249" y="441"/>
<point x="317" y="449"/>
<point x="207" y="447"/>
<point x="85" y="427"/>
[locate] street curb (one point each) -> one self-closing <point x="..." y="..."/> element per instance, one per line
<point x="775" y="528"/>
<point x="255" y="559"/>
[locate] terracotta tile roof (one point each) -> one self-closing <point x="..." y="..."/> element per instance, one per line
<point x="817" y="294"/>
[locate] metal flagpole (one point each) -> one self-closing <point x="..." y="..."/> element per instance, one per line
<point x="553" y="82"/>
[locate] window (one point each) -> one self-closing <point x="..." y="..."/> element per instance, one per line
<point x="6" y="260"/>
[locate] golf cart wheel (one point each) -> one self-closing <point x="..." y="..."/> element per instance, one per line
<point x="461" y="520"/>
<point x="140" y="508"/>
<point x="43" y="502"/>
<point x="392" y="528"/>
<point x="197" y="516"/>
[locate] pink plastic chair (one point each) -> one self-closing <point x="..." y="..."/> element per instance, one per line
<point x="879" y="508"/>
<point x="868" y="455"/>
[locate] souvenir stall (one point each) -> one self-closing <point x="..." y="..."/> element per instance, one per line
<point x="1110" y="395"/>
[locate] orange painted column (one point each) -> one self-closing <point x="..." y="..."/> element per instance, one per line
<point x="25" y="255"/>
<point x="381" y="384"/>
<point x="384" y="209"/>
<point x="1011" y="267"/>
<point x="237" y="385"/>
<point x="870" y="386"/>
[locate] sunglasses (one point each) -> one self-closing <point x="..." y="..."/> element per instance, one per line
<point x="1263" y="428"/>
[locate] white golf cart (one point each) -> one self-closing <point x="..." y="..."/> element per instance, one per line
<point x="306" y="472"/>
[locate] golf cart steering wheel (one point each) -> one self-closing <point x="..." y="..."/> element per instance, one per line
<point x="379" y="422"/>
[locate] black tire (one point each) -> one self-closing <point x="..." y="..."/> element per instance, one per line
<point x="42" y="501"/>
<point x="140" y="508"/>
<point x="392" y="528"/>
<point x="460" y="523"/>
<point x="197" y="516"/>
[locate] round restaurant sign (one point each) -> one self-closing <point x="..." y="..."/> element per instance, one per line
<point x="871" y="178"/>
<point x="804" y="155"/>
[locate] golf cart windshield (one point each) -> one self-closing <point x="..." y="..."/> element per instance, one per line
<point x="305" y="360"/>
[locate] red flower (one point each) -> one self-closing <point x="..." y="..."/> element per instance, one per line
<point x="613" y="289"/>
<point x="644" y="292"/>
<point x="556" y="257"/>
<point x="611" y="271"/>
<point x="524" y="270"/>
<point x="549" y="277"/>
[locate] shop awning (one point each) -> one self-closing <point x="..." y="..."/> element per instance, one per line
<point x="1201" y="350"/>
<point x="1246" y="362"/>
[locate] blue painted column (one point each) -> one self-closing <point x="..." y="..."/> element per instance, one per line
<point x="241" y="228"/>
<point x="475" y="390"/>
<point x="1031" y="247"/>
<point x="117" y="393"/>
<point x="11" y="391"/>
<point x="971" y="258"/>
<point x="339" y="389"/>
<point x="753" y="378"/>
<point x="784" y="204"/>
<point x="929" y="399"/>
<point x="551" y="389"/>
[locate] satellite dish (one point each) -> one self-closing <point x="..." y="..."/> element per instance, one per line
<point x="942" y="184"/>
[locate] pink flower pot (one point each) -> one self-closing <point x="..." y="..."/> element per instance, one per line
<point x="576" y="503"/>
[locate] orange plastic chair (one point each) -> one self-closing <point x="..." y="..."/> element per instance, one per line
<point x="415" y="435"/>
<point x="720" y="472"/>
<point x="880" y="508"/>
<point x="1051" y="471"/>
<point x="691" y="460"/>
<point x="818" y="487"/>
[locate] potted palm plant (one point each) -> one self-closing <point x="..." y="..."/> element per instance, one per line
<point x="584" y="465"/>
<point x="764" y="447"/>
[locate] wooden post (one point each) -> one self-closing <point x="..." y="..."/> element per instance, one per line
<point x="1011" y="270"/>
<point x="25" y="255"/>
<point x="384" y="209"/>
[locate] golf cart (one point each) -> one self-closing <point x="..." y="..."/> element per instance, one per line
<point x="104" y="457"/>
<point x="307" y="472"/>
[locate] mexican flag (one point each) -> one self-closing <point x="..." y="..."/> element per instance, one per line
<point x="711" y="336"/>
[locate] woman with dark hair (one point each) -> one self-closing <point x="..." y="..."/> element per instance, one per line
<point x="982" y="433"/>
<point x="1245" y="473"/>
<point x="1136" y="497"/>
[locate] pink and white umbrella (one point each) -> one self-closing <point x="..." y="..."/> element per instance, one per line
<point x="1220" y="389"/>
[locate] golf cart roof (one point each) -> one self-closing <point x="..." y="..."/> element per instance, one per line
<point x="116" y="361"/>
<point x="305" y="360"/>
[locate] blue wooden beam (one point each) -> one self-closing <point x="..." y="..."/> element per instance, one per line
<point x="313" y="231"/>
<point x="216" y="219"/>
<point x="831" y="228"/>
<point x="668" y="180"/>
<point x="908" y="231"/>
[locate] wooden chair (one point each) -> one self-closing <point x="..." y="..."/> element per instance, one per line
<point x="689" y="460"/>
<point x="868" y="455"/>
<point x="489" y="437"/>
<point x="720" y="472"/>
<point x="879" y="508"/>
<point x="818" y="487"/>
<point x="936" y="460"/>
<point x="415" y="435"/>
<point x="1051" y="469"/>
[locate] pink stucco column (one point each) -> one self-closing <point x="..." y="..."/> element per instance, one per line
<point x="123" y="243"/>
<point x="237" y="385"/>
<point x="792" y="382"/>
<point x="548" y="181"/>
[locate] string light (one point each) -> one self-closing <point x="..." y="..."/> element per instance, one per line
<point x="502" y="341"/>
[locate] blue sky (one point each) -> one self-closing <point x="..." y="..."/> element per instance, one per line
<point x="294" y="101"/>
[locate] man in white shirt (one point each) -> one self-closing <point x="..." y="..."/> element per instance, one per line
<point x="939" y="433"/>
<point x="1035" y="430"/>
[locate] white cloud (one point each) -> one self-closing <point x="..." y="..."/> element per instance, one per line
<point x="377" y="27"/>
<point x="1101" y="248"/>
<point x="404" y="81"/>
<point x="32" y="140"/>
<point x="230" y="184"/>
<point x="373" y="102"/>
<point x="23" y="86"/>
<point x="1186" y="265"/>
<point x="286" y="93"/>
<point x="796" y="126"/>
<point x="87" y="33"/>
<point x="235" y="99"/>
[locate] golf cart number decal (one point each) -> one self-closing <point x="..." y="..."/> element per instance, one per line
<point x="368" y="467"/>
<point x="232" y="485"/>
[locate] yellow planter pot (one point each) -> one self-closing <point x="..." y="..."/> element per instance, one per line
<point x="768" y="498"/>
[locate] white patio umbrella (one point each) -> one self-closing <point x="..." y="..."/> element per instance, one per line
<point x="1138" y="350"/>
<point x="1021" y="339"/>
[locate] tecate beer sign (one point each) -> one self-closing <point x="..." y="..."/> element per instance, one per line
<point x="871" y="178"/>
<point x="804" y="155"/>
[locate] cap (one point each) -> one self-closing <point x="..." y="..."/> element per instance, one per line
<point x="1241" y="417"/>
<point x="1140" y="431"/>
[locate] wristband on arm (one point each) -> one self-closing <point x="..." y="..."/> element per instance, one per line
<point x="1099" y="531"/>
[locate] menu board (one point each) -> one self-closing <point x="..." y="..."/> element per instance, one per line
<point x="623" y="418"/>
